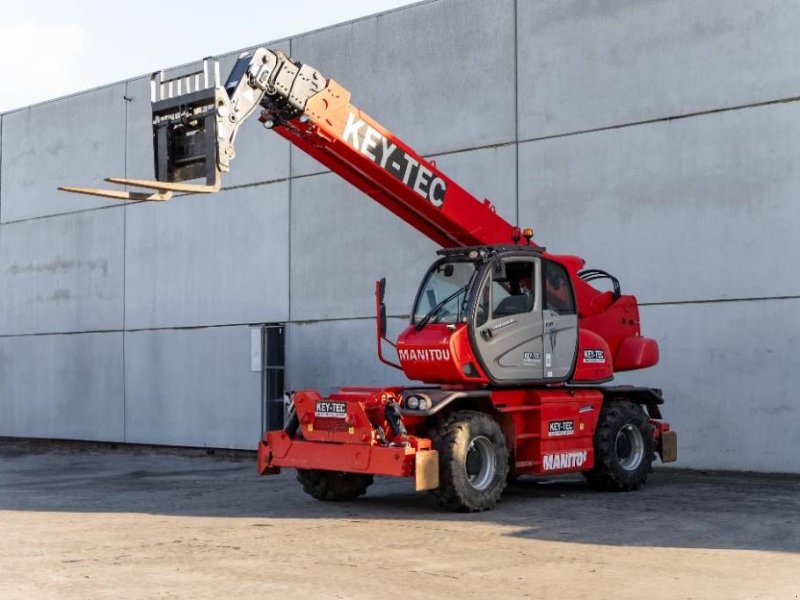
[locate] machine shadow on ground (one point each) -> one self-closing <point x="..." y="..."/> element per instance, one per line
<point x="686" y="509"/>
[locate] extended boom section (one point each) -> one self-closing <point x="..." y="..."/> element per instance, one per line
<point x="316" y="115"/>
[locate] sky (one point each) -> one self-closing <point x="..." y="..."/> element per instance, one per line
<point x="52" y="48"/>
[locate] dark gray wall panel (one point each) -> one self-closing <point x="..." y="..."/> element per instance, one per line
<point x="327" y="355"/>
<point x="439" y="75"/>
<point x="77" y="140"/>
<point x="584" y="65"/>
<point x="694" y="209"/>
<point x="729" y="375"/>
<point x="207" y="260"/>
<point x="62" y="386"/>
<point x="192" y="388"/>
<point x="62" y="273"/>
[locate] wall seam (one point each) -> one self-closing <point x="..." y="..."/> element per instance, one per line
<point x="125" y="101"/>
<point x="2" y="118"/>
<point x="287" y="369"/>
<point x="676" y="117"/>
<point x="517" y="142"/>
<point x="516" y="113"/>
<point x="363" y="318"/>
<point x="289" y="236"/>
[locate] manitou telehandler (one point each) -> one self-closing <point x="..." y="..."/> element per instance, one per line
<point x="512" y="343"/>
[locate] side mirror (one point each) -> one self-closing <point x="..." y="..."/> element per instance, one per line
<point x="382" y="320"/>
<point x="380" y="307"/>
<point x="381" y="289"/>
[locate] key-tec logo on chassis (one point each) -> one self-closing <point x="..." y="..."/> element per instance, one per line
<point x="594" y="356"/>
<point x="559" y="428"/>
<point x="330" y="409"/>
<point x="374" y="145"/>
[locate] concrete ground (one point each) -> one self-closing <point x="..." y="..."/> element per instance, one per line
<point x="97" y="522"/>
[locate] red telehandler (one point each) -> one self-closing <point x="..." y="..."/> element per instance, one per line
<point x="512" y="343"/>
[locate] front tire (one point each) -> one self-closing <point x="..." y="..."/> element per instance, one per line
<point x="473" y="461"/>
<point x="623" y="448"/>
<point x="333" y="486"/>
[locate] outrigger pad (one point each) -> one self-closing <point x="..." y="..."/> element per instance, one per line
<point x="426" y="470"/>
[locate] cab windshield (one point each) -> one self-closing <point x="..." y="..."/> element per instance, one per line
<point x="443" y="297"/>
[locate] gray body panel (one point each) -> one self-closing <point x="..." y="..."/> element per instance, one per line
<point x="560" y="341"/>
<point x="529" y="345"/>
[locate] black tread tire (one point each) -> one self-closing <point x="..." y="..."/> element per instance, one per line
<point x="607" y="473"/>
<point x="333" y="486"/>
<point x="451" y="439"/>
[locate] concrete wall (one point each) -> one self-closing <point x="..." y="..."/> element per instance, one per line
<point x="656" y="138"/>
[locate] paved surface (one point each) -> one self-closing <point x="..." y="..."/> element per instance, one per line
<point x="89" y="522"/>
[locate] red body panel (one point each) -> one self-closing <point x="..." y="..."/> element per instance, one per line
<point x="551" y="430"/>
<point x="439" y="353"/>
<point x="278" y="450"/>
<point x="538" y="448"/>
<point x="350" y="442"/>
<point x="594" y="358"/>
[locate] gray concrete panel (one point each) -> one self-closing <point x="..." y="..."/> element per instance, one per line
<point x="209" y="260"/>
<point x="729" y="375"/>
<point x="2" y="117"/>
<point x="138" y="140"/>
<point x="62" y="386"/>
<point x="488" y="173"/>
<point x="77" y="140"/>
<point x="584" y="65"/>
<point x="342" y="240"/>
<point x="326" y="355"/>
<point x="192" y="388"/>
<point x="438" y="75"/>
<point x="61" y="274"/>
<point x="695" y="209"/>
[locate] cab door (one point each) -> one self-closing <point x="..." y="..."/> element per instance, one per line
<point x="560" y="321"/>
<point x="507" y="321"/>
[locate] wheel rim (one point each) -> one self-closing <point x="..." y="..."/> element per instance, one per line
<point x="481" y="464"/>
<point x="629" y="447"/>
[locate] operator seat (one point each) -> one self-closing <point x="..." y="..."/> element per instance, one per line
<point x="514" y="305"/>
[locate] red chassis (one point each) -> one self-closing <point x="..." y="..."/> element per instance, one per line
<point x="363" y="440"/>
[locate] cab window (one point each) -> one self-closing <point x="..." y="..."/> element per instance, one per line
<point x="514" y="294"/>
<point x="444" y="292"/>
<point x="558" y="296"/>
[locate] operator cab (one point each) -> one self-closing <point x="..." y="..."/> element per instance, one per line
<point x="504" y="315"/>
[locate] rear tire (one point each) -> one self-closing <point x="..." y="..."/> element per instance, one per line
<point x="333" y="486"/>
<point x="473" y="461"/>
<point x="623" y="448"/>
